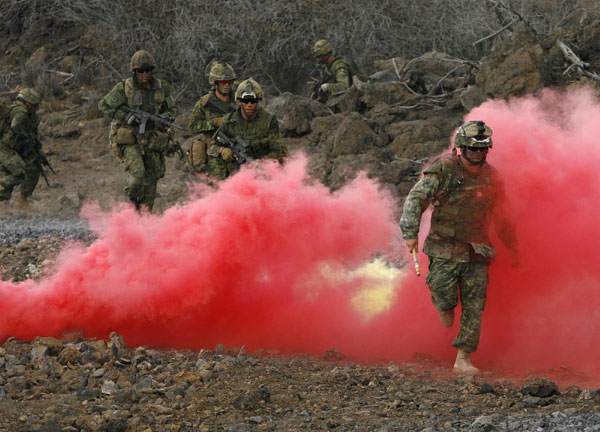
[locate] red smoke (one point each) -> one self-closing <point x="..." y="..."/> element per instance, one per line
<point x="242" y="265"/>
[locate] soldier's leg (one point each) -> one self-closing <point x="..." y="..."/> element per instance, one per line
<point x="133" y="160"/>
<point x="12" y="172"/>
<point x="154" y="163"/>
<point x="473" y="286"/>
<point x="442" y="279"/>
<point x="32" y="177"/>
<point x="216" y="167"/>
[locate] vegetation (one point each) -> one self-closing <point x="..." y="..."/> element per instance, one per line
<point x="271" y="43"/>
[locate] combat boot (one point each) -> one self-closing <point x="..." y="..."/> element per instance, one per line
<point x="463" y="365"/>
<point x="447" y="317"/>
<point x="22" y="203"/>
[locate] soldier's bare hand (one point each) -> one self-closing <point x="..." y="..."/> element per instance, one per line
<point x="412" y="245"/>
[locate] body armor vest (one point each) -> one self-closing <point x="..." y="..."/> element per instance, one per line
<point x="145" y="100"/>
<point x="461" y="210"/>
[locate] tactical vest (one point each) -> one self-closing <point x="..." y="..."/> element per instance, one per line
<point x="135" y="96"/>
<point x="461" y="208"/>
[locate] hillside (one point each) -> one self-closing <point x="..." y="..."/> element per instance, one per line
<point x="388" y="128"/>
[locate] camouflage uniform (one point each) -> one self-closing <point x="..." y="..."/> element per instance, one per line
<point x="459" y="250"/>
<point x="261" y="133"/>
<point x="19" y="166"/>
<point x="202" y="114"/>
<point x="207" y="111"/>
<point x="143" y="156"/>
<point x="339" y="72"/>
<point x="339" y="81"/>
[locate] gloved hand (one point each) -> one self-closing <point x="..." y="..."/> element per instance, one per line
<point x="226" y="154"/>
<point x="131" y="119"/>
<point x="324" y="87"/>
<point x="217" y="121"/>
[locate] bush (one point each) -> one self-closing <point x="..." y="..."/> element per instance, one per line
<point x="272" y="43"/>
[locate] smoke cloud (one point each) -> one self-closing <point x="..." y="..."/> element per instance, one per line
<point x="274" y="260"/>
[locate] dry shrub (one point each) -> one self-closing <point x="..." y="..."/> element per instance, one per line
<point x="272" y="43"/>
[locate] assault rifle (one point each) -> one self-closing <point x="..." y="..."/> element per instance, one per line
<point x="160" y="121"/>
<point x="318" y="94"/>
<point x="238" y="146"/>
<point x="33" y="147"/>
<point x="214" y="107"/>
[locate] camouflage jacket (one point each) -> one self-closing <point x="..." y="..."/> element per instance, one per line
<point x="19" y="123"/>
<point x="203" y="113"/>
<point x="128" y="93"/>
<point x="464" y="207"/>
<point x="261" y="133"/>
<point x="339" y="71"/>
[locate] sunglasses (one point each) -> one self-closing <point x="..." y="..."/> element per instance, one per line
<point x="249" y="101"/>
<point x="477" y="149"/>
<point x="223" y="82"/>
<point x="144" y="70"/>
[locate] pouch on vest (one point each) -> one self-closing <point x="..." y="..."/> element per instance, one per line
<point x="197" y="154"/>
<point x="125" y="135"/>
<point x="160" y="142"/>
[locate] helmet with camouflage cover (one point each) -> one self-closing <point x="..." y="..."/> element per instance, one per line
<point x="249" y="89"/>
<point x="473" y="134"/>
<point x="221" y="72"/>
<point x="141" y="59"/>
<point x="321" y="47"/>
<point x="29" y="95"/>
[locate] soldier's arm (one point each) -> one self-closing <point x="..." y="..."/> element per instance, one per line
<point x="18" y="124"/>
<point x="213" y="145"/>
<point x="416" y="202"/>
<point x="342" y="81"/>
<point x="200" y="120"/>
<point x="112" y="104"/>
<point x="277" y="150"/>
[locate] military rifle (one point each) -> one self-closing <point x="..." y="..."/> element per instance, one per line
<point x="33" y="146"/>
<point x="160" y="121"/>
<point x="238" y="146"/>
<point x="214" y="107"/>
<point x="318" y="94"/>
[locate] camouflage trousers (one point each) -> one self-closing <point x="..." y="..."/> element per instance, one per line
<point x="144" y="167"/>
<point x="447" y="279"/>
<point x="16" y="170"/>
<point x="219" y="169"/>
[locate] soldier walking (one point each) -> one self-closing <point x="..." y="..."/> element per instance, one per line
<point x="18" y="160"/>
<point x="209" y="111"/>
<point x="256" y="126"/>
<point x="468" y="196"/>
<point x="142" y="152"/>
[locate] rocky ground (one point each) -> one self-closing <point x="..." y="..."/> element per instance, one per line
<point x="77" y="384"/>
<point x="95" y="385"/>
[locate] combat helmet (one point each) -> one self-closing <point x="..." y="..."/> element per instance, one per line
<point x="221" y="72"/>
<point x="321" y="47"/>
<point x="473" y="134"/>
<point x="141" y="59"/>
<point x="249" y="89"/>
<point x="29" y="95"/>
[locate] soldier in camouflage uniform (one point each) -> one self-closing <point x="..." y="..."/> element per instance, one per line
<point x="338" y="69"/>
<point x="209" y="111"/>
<point x="142" y="155"/>
<point x="256" y="126"/>
<point x="468" y="196"/>
<point x="18" y="164"/>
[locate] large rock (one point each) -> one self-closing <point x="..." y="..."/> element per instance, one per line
<point x="516" y="67"/>
<point x="353" y="136"/>
<point x="295" y="113"/>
